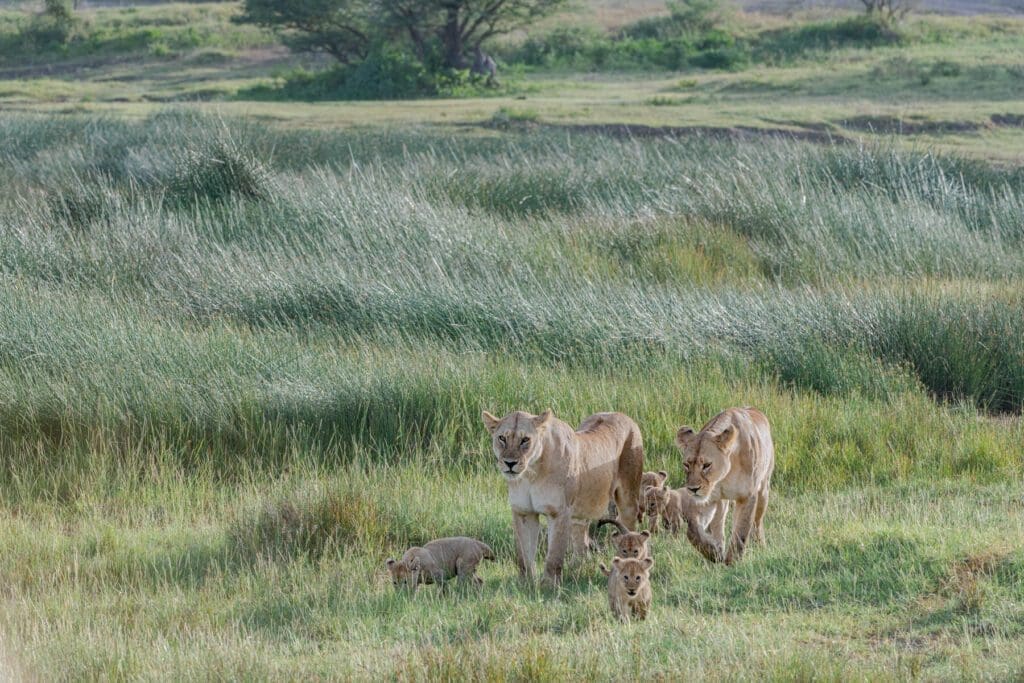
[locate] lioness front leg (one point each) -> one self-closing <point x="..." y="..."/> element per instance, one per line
<point x="527" y="530"/>
<point x="559" y="532"/>
<point x="742" y="522"/>
<point x="704" y="544"/>
<point x="717" y="524"/>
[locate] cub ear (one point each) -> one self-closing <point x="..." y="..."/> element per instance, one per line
<point x="605" y="570"/>
<point x="390" y="563"/>
<point x="648" y="562"/>
<point x="726" y="437"/>
<point x="616" y="561"/>
<point x="684" y="436"/>
<point x="490" y="421"/>
<point x="645" y="533"/>
<point x="543" y="419"/>
<point x="662" y="477"/>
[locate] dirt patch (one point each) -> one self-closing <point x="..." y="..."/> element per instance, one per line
<point x="1010" y="120"/>
<point x="893" y="125"/>
<point x="631" y="130"/>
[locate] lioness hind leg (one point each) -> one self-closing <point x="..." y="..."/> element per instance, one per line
<point x="742" y="523"/>
<point x="762" y="505"/>
<point x="631" y="471"/>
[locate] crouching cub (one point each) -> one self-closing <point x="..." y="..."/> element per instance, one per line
<point x="674" y="506"/>
<point x="629" y="587"/>
<point x="629" y="544"/>
<point x="438" y="561"/>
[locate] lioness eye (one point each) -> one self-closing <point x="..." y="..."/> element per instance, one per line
<point x="707" y="466"/>
<point x="501" y="439"/>
<point x="525" y="440"/>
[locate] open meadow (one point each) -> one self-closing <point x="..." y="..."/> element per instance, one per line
<point x="245" y="345"/>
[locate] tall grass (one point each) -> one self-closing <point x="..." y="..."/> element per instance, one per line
<point x="240" y="366"/>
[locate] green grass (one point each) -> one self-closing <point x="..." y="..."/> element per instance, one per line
<point x="242" y="364"/>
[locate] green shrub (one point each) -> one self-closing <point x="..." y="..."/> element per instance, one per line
<point x="864" y="31"/>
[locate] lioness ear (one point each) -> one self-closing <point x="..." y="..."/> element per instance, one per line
<point x="725" y="438"/>
<point x="648" y="562"/>
<point x="490" y="421"/>
<point x="543" y="419"/>
<point x="662" y="476"/>
<point x="684" y="436"/>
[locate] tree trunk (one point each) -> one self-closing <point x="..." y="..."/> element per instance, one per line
<point x="452" y="38"/>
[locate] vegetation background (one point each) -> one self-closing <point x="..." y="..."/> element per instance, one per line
<point x="247" y="329"/>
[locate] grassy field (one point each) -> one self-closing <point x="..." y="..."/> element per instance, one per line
<point x="244" y="347"/>
<point x="243" y="364"/>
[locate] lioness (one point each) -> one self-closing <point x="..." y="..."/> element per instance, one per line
<point x="567" y="476"/>
<point x="629" y="544"/>
<point x="438" y="561"/>
<point x="731" y="458"/>
<point x="629" y="587"/>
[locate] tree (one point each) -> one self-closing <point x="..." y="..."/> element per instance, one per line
<point x="463" y="25"/>
<point x="448" y="30"/>
<point x="889" y="10"/>
<point x="341" y="28"/>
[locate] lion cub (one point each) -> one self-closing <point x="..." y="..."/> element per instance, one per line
<point x="438" y="561"/>
<point x="629" y="587"/>
<point x="674" y="508"/>
<point x="650" y="479"/>
<point x="629" y="544"/>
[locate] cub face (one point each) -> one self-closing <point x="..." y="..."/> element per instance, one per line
<point x="705" y="458"/>
<point x="632" y="575"/>
<point x="652" y="502"/>
<point x="632" y="545"/>
<point x="517" y="440"/>
<point x="405" y="574"/>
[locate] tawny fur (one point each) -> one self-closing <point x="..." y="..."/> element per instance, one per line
<point x="438" y="561"/>
<point x="629" y="544"/>
<point x="672" y="507"/>
<point x="650" y="479"/>
<point x="731" y="458"/>
<point x="629" y="587"/>
<point x="568" y="476"/>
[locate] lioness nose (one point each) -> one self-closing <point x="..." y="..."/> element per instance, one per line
<point x="510" y="464"/>
<point x="693" y="489"/>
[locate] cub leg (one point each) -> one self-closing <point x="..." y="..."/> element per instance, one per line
<point x="527" y="530"/>
<point x="465" y="570"/>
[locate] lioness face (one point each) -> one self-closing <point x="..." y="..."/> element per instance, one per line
<point x="633" y="574"/>
<point x="517" y="440"/>
<point x="705" y="458"/>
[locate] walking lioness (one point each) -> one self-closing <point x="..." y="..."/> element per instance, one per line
<point x="567" y="476"/>
<point x="731" y="458"/>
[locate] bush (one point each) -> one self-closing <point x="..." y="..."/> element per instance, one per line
<point x="855" y="32"/>
<point x="386" y="74"/>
